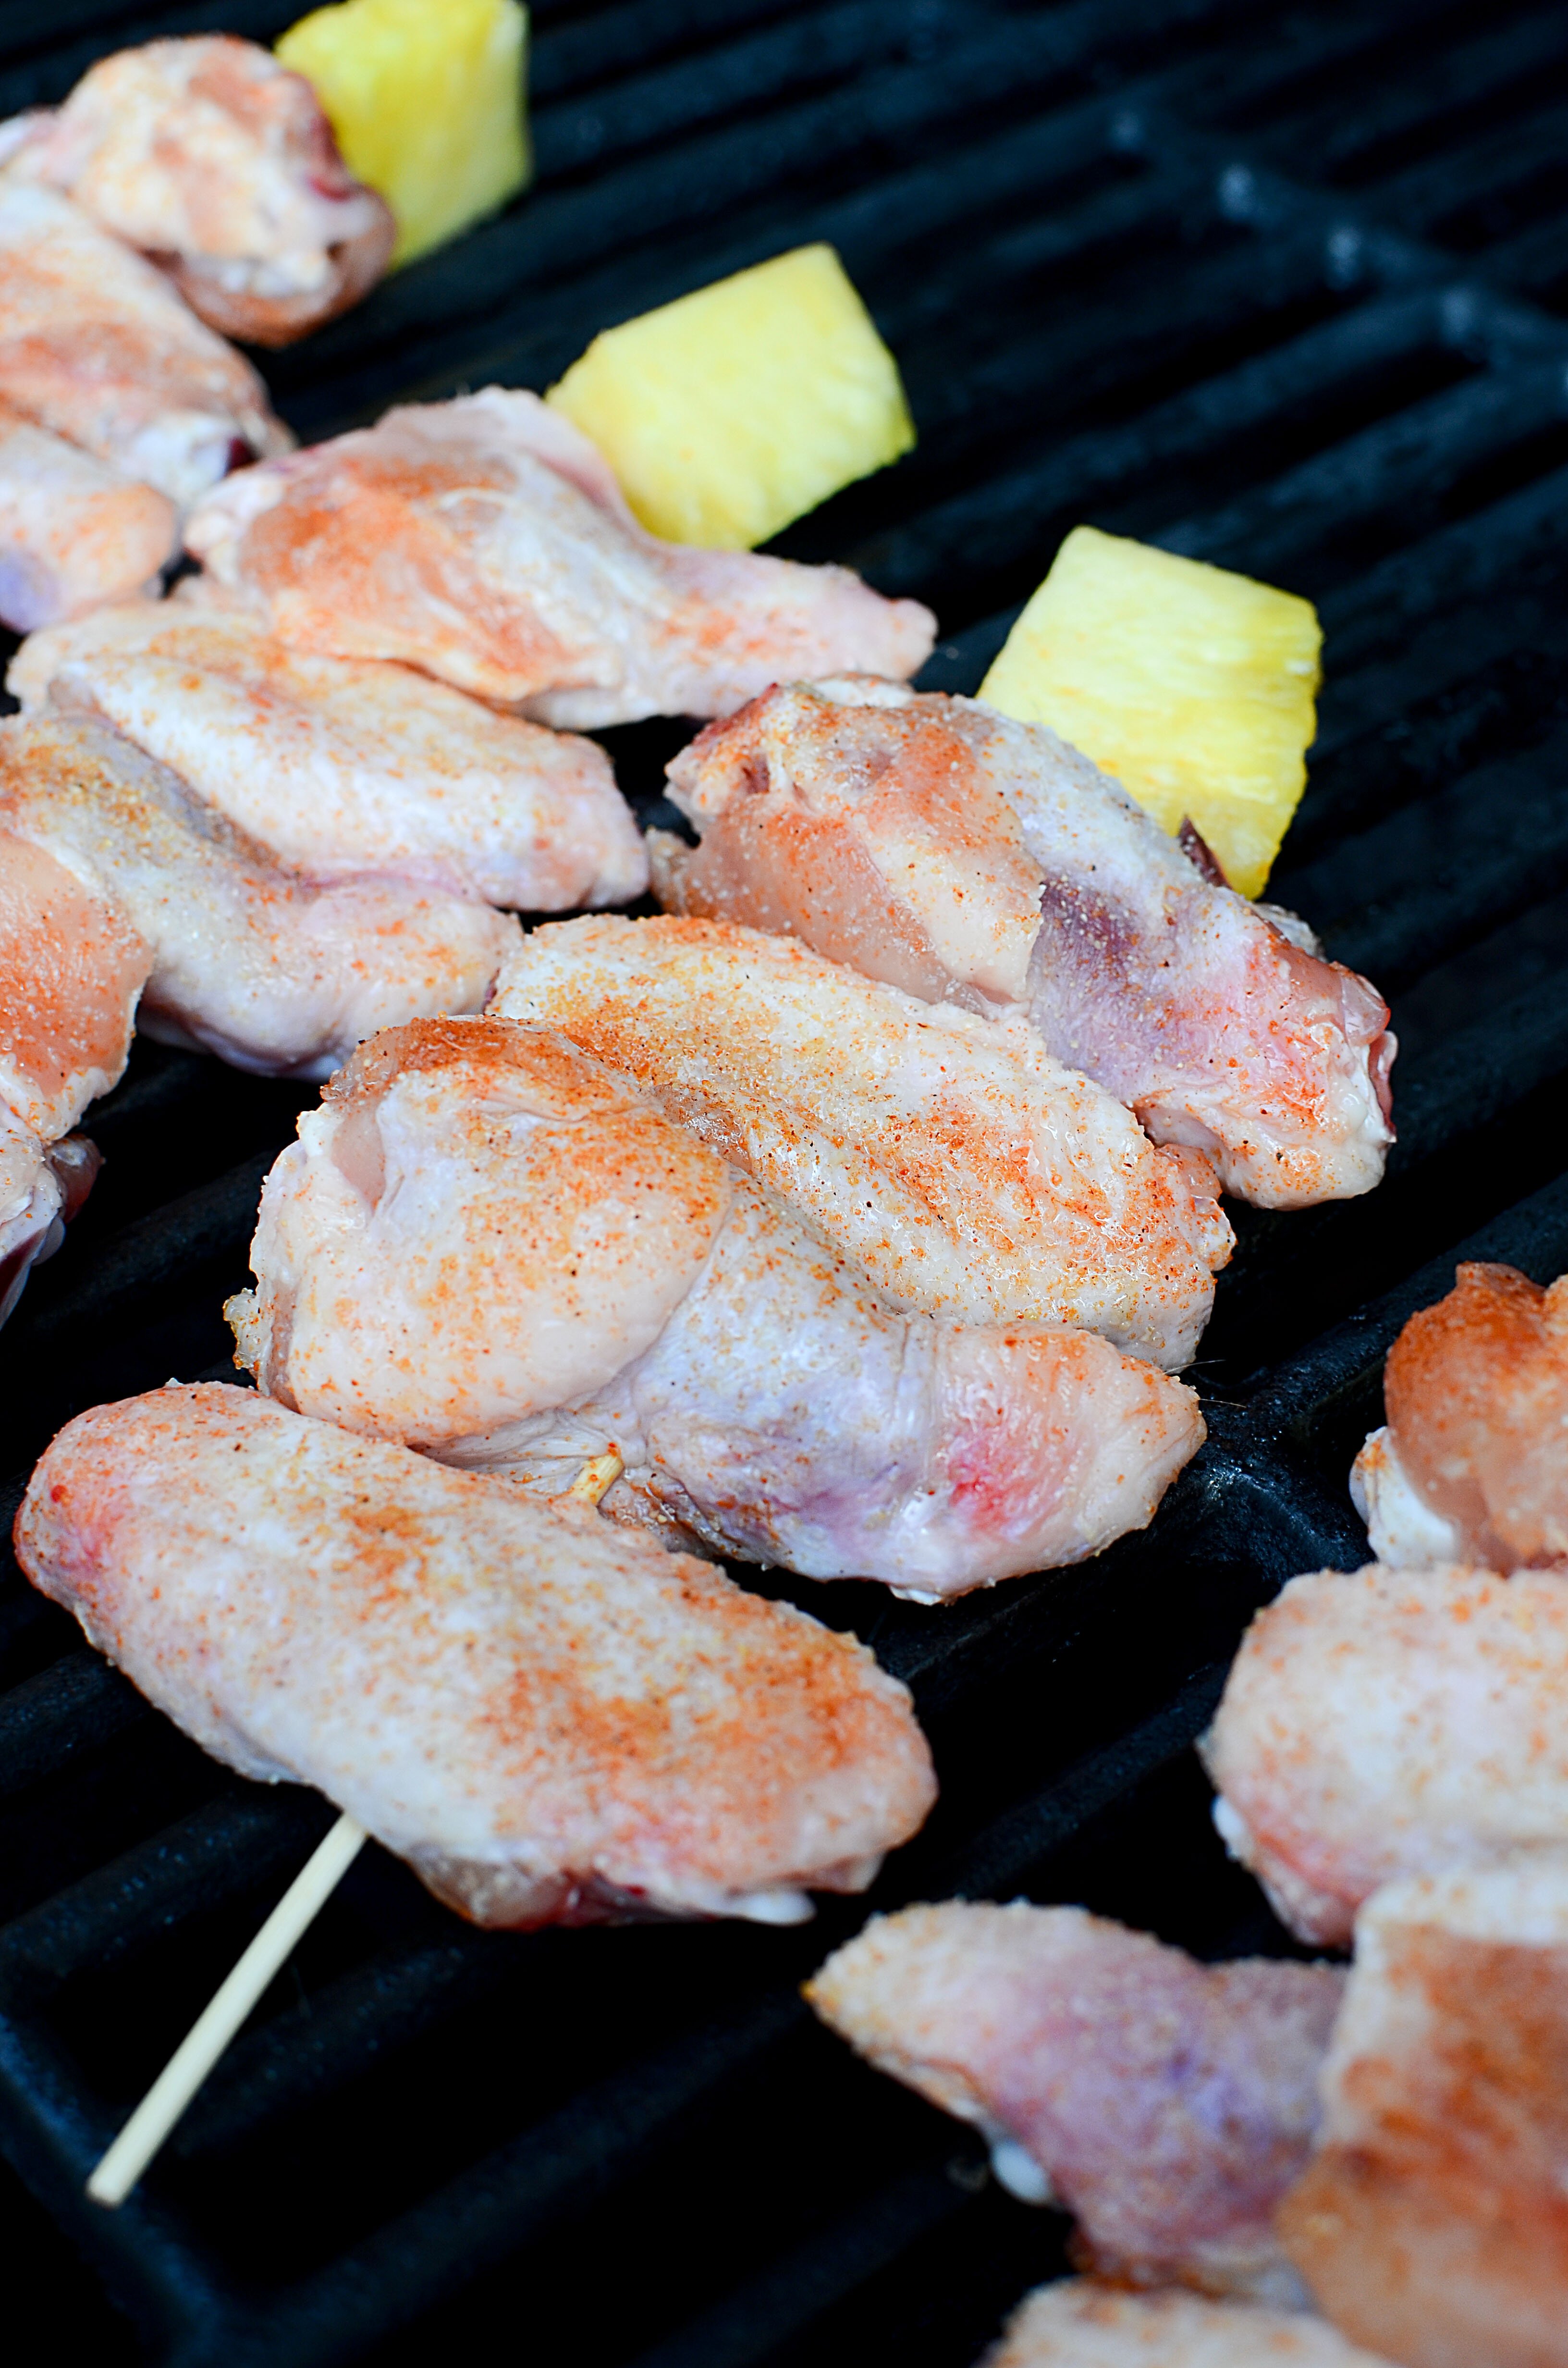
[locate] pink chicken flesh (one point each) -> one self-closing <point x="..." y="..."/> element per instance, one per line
<point x="959" y="855"/>
<point x="97" y="347"/>
<point x="952" y="1160"/>
<point x="126" y="886"/>
<point x="1471" y="1465"/>
<point x="552" y="1720"/>
<point x="486" y="541"/>
<point x="1383" y="1723"/>
<point x="1167" y="2104"/>
<point x="219" y="163"/>
<point x="342" y="766"/>
<point x="1079" y="2324"/>
<point x="75" y="531"/>
<point x="1432" y="2223"/>
<point x="488" y="1246"/>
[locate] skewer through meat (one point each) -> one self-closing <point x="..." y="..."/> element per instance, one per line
<point x="219" y="163"/>
<point x="345" y="766"/>
<point x="1379" y="1723"/>
<point x="487" y="542"/>
<point x="488" y="1246"/>
<point x="939" y="845"/>
<point x="953" y="1161"/>
<point x="1470" y="1466"/>
<point x="1167" y="2104"/>
<point x="552" y="1720"/>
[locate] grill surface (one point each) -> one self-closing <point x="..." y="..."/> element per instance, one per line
<point x="1284" y="289"/>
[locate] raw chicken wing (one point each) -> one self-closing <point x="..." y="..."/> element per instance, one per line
<point x="488" y="1246"/>
<point x="955" y="853"/>
<point x="1433" y="2222"/>
<point x="75" y="531"/>
<point x="216" y="161"/>
<point x="146" y="889"/>
<point x="552" y="1720"/>
<point x="97" y="347"/>
<point x="1470" y="1467"/>
<point x="953" y="1161"/>
<point x="1384" y="1723"/>
<point x="1079" y="2324"/>
<point x="487" y="542"/>
<point x="1167" y="2105"/>
<point x="343" y="765"/>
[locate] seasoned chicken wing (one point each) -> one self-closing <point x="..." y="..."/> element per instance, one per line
<point x="1433" y="2221"/>
<point x="75" y="531"/>
<point x="345" y="765"/>
<point x="953" y="1161"/>
<point x="1471" y="1465"/>
<point x="95" y="346"/>
<point x="141" y="886"/>
<point x="1079" y="2324"/>
<point x="955" y="853"/>
<point x="216" y="161"/>
<point x="486" y="541"/>
<point x="489" y="1245"/>
<point x="1383" y="1723"/>
<point x="552" y="1720"/>
<point x="1167" y="2104"/>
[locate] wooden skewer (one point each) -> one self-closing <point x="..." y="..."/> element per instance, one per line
<point x="198" y="2051"/>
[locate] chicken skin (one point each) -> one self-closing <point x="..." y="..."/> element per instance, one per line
<point x="1433" y="2221"/>
<point x="959" y="855"/>
<point x="343" y="765"/>
<point x="132" y="887"/>
<point x="487" y="542"/>
<point x="73" y="530"/>
<point x="219" y="163"/>
<point x="97" y="348"/>
<point x="1079" y="2324"/>
<point x="1381" y="1723"/>
<point x="552" y="1720"/>
<point x="1470" y="1466"/>
<point x="953" y="1161"/>
<point x="1167" y="2104"/>
<point x="488" y="1246"/>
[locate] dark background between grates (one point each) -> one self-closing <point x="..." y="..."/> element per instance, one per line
<point x="1284" y="289"/>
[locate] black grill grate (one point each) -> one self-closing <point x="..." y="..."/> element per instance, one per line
<point x="1284" y="289"/>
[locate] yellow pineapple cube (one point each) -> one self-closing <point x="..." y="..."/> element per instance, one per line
<point x="1194" y="687"/>
<point x="426" y="98"/>
<point x="736" y="409"/>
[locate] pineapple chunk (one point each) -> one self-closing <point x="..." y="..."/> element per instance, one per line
<point x="736" y="409"/>
<point x="1192" y="686"/>
<point x="426" y="98"/>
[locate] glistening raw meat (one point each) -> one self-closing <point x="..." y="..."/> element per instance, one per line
<point x="1079" y="2324"/>
<point x="95" y="346"/>
<point x="219" y="163"/>
<point x="75" y="530"/>
<point x="552" y="1720"/>
<point x="140" y="888"/>
<point x="1433" y="2220"/>
<point x="344" y="765"/>
<point x="1471" y="1465"/>
<point x="487" y="542"/>
<point x="1381" y="1723"/>
<point x="1167" y="2105"/>
<point x="962" y="856"/>
<point x="952" y="1160"/>
<point x="489" y="1245"/>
